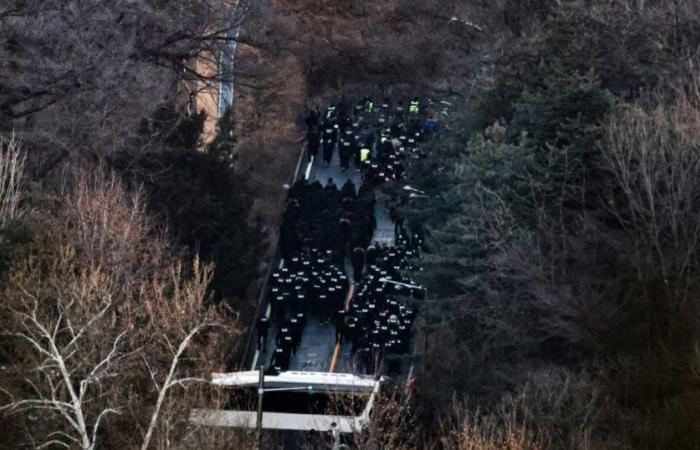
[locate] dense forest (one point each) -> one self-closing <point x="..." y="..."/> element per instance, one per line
<point x="561" y="233"/>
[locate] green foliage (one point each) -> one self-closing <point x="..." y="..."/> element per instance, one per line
<point x="209" y="208"/>
<point x="206" y="206"/>
<point x="176" y="131"/>
<point x="187" y="132"/>
<point x="223" y="145"/>
<point x="527" y="267"/>
<point x="528" y="264"/>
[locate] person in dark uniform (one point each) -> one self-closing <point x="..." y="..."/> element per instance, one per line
<point x="328" y="147"/>
<point x="330" y="137"/>
<point x="343" y="108"/>
<point x="371" y="255"/>
<point x="344" y="233"/>
<point x="396" y="217"/>
<point x="297" y="192"/>
<point x="348" y="205"/>
<point x="263" y="326"/>
<point x="312" y="119"/>
<point x="289" y="239"/>
<point x="345" y="152"/>
<point x="313" y="140"/>
<point x="330" y="131"/>
<point x="348" y="189"/>
<point x="399" y="111"/>
<point x="288" y="342"/>
<point x="369" y="106"/>
<point x="358" y="263"/>
<point x="295" y="328"/>
<point x="330" y="185"/>
<point x="339" y="325"/>
<point x="280" y="359"/>
<point x="278" y="303"/>
<point x="331" y="111"/>
<point x="386" y="105"/>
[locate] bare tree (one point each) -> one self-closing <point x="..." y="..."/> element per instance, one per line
<point x="393" y="423"/>
<point x="555" y="409"/>
<point x="77" y="78"/>
<point x="90" y="320"/>
<point x="653" y="157"/>
<point x="12" y="160"/>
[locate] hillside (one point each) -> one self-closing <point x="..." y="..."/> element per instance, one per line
<point x="557" y="212"/>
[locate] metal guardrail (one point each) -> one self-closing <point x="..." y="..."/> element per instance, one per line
<point x="272" y="263"/>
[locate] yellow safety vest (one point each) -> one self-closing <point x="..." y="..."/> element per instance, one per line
<point x="364" y="154"/>
<point x="414" y="108"/>
<point x="370" y="107"/>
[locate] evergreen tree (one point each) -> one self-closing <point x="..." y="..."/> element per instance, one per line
<point x="206" y="205"/>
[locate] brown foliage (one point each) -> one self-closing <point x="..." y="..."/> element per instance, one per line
<point x="554" y="409"/>
<point x="105" y="328"/>
<point x="78" y="77"/>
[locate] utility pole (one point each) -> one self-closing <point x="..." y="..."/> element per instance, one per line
<point x="261" y="390"/>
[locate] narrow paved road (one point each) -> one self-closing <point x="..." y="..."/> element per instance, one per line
<point x="317" y="350"/>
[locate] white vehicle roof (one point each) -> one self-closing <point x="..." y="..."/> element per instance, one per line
<point x="318" y="380"/>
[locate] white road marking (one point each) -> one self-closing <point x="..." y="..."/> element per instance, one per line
<point x="267" y="314"/>
<point x="308" y="168"/>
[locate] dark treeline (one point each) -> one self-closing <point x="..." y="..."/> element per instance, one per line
<point x="562" y="233"/>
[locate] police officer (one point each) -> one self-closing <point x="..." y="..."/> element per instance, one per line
<point x="331" y="111"/>
<point x="278" y="303"/>
<point x="312" y="119"/>
<point x="399" y="111"/>
<point x="288" y="342"/>
<point x="348" y="189"/>
<point x="328" y="146"/>
<point x="371" y="255"/>
<point x="365" y="153"/>
<point x="369" y="106"/>
<point x="330" y="137"/>
<point x="386" y="105"/>
<point x="357" y="112"/>
<point x="280" y="359"/>
<point x="345" y="152"/>
<point x="343" y="108"/>
<point x="330" y="185"/>
<point x="358" y="263"/>
<point x="414" y="107"/>
<point x="313" y="140"/>
<point x="296" y="327"/>
<point x="340" y="324"/>
<point x="263" y="327"/>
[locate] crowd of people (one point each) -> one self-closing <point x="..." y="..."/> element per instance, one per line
<point x="308" y="284"/>
<point x="376" y="323"/>
<point x="328" y="218"/>
<point x="326" y="226"/>
<point x="377" y="139"/>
